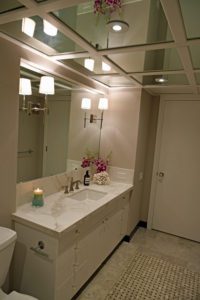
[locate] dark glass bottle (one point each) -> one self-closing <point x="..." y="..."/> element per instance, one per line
<point x="87" y="178"/>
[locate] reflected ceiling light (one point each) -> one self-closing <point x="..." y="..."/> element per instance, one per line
<point x="103" y="104"/>
<point x="105" y="67"/>
<point x="89" y="64"/>
<point x="86" y="103"/>
<point x="117" y="26"/>
<point x="161" y="80"/>
<point x="24" y="89"/>
<point x="46" y="87"/>
<point x="28" y="26"/>
<point x="49" y="29"/>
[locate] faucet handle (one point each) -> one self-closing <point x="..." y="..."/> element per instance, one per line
<point x="77" y="186"/>
<point x="71" y="189"/>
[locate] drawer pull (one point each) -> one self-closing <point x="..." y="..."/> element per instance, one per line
<point x="39" y="251"/>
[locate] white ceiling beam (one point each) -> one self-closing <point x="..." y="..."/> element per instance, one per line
<point x="73" y="55"/>
<point x="56" y="5"/>
<point x="146" y="73"/>
<point x="173" y="14"/>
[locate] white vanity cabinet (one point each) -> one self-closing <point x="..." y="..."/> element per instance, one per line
<point x="54" y="266"/>
<point x="46" y="273"/>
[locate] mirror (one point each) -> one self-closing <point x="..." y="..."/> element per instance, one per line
<point x="53" y="139"/>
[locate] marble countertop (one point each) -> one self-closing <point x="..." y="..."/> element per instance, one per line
<point x="60" y="213"/>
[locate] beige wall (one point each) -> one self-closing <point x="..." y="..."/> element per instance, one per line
<point x="120" y="127"/>
<point x="144" y="156"/>
<point x="82" y="138"/>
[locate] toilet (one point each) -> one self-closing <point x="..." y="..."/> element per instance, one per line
<point x="7" y="243"/>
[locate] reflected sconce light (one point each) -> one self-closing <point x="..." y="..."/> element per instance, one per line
<point x="28" y="26"/>
<point x="105" y="67"/>
<point x="49" y="29"/>
<point x="89" y="64"/>
<point x="46" y="88"/>
<point x="25" y="89"/>
<point x="86" y="105"/>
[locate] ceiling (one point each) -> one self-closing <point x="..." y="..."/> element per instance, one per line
<point x="163" y="40"/>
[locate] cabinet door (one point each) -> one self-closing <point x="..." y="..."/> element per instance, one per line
<point x="125" y="214"/>
<point x="89" y="254"/>
<point x="112" y="234"/>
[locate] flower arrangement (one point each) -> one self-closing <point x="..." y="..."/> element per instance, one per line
<point x="99" y="164"/>
<point x="106" y="7"/>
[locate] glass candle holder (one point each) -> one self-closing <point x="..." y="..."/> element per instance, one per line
<point x="38" y="197"/>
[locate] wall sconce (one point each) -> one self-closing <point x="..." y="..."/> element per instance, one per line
<point x="49" y="29"/>
<point x="105" y="67"/>
<point x="24" y="89"/>
<point x="86" y="104"/>
<point x="47" y="88"/>
<point x="28" y="26"/>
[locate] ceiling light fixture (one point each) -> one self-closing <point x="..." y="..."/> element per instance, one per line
<point x="161" y="80"/>
<point x="89" y="64"/>
<point x="117" y="26"/>
<point x="105" y="67"/>
<point x="28" y="26"/>
<point x="49" y="29"/>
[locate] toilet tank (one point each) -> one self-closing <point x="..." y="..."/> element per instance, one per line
<point x="7" y="244"/>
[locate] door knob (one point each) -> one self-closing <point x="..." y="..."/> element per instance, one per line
<point x="161" y="174"/>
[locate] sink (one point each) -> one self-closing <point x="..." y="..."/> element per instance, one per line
<point x="88" y="194"/>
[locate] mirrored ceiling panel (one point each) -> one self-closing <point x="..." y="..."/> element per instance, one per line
<point x="145" y="23"/>
<point x="194" y="51"/>
<point x="114" y="81"/>
<point x="94" y="66"/>
<point x="190" y="12"/>
<point x="8" y="5"/>
<point x="159" y="80"/>
<point x="164" y="59"/>
<point x="40" y="40"/>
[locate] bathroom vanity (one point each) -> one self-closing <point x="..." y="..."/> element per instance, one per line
<point x="61" y="244"/>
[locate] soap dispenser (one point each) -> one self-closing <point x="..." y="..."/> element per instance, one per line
<point x="86" y="178"/>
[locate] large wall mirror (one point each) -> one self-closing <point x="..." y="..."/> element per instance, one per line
<point x="52" y="137"/>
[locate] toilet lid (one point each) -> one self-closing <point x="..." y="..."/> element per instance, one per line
<point x="17" y="296"/>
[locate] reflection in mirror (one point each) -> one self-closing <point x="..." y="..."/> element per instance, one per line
<point x="52" y="137"/>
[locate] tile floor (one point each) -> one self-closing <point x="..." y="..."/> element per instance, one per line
<point x="172" y="248"/>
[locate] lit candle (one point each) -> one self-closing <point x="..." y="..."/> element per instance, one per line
<point x="37" y="197"/>
<point x="38" y="191"/>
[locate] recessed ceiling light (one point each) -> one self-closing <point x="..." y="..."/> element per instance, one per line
<point x="117" y="26"/>
<point x="161" y="80"/>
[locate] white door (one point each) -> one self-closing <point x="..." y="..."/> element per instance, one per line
<point x="177" y="198"/>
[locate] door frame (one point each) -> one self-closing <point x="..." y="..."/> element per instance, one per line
<point x="163" y="100"/>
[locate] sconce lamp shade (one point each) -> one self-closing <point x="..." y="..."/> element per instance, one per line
<point x="89" y="64"/>
<point x="28" y="26"/>
<point x="47" y="85"/>
<point x="49" y="29"/>
<point x="105" y="67"/>
<point x="103" y="104"/>
<point x="25" y="86"/>
<point x="86" y="103"/>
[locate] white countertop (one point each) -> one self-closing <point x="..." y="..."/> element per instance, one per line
<point x="60" y="213"/>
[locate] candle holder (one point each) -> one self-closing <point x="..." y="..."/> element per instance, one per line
<point x="38" y="198"/>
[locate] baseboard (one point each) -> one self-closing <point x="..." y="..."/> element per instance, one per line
<point x="142" y="224"/>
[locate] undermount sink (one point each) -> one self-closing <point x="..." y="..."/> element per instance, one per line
<point x="87" y="194"/>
